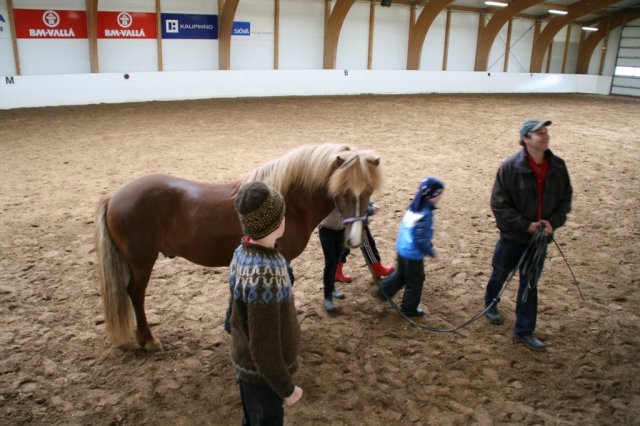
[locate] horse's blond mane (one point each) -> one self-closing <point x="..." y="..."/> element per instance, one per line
<point x="311" y="166"/>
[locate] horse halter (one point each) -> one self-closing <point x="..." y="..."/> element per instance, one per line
<point x="350" y="219"/>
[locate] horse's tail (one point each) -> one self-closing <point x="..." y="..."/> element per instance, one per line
<point x="113" y="273"/>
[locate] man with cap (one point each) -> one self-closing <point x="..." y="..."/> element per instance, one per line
<point x="264" y="327"/>
<point x="532" y="189"/>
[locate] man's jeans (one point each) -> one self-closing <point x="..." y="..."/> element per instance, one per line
<point x="505" y="259"/>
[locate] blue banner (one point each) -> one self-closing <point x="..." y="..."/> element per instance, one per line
<point x="241" y="29"/>
<point x="189" y="26"/>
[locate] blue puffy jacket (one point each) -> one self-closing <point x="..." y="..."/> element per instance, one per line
<point x="415" y="234"/>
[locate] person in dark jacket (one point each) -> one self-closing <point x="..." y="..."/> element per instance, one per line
<point x="532" y="189"/>
<point x="264" y="327"/>
<point x="413" y="245"/>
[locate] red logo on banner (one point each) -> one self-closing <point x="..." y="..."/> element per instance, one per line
<point x="126" y="25"/>
<point x="33" y="23"/>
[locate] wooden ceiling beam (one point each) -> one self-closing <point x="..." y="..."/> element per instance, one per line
<point x="488" y="35"/>
<point x="418" y="31"/>
<point x="542" y="41"/>
<point x="226" y="14"/>
<point x="334" y="21"/>
<point x="590" y="42"/>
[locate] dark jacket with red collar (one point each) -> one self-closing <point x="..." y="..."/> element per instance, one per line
<point x="514" y="198"/>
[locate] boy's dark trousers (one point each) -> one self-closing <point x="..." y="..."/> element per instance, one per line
<point x="409" y="273"/>
<point x="261" y="406"/>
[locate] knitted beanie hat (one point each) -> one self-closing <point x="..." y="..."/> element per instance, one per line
<point x="260" y="209"/>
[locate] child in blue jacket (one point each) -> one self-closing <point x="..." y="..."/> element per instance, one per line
<point x="413" y="244"/>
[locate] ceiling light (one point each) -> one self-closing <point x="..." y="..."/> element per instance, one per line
<point x="496" y="3"/>
<point x="589" y="29"/>
<point x="558" y="12"/>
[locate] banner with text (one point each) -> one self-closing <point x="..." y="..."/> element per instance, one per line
<point x="241" y="29"/>
<point x="203" y="27"/>
<point x="126" y="25"/>
<point x="44" y="24"/>
<point x="189" y="26"/>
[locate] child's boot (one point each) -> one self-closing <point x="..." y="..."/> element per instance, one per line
<point x="380" y="270"/>
<point x="341" y="276"/>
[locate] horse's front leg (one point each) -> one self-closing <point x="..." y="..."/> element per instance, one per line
<point x="136" y="289"/>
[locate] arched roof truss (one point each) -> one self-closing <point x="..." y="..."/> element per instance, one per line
<point x="334" y="23"/>
<point x="489" y="33"/>
<point x="591" y="41"/>
<point x="419" y="29"/>
<point x="226" y="14"/>
<point x="542" y="41"/>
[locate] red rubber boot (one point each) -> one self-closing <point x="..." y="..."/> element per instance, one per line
<point x="341" y="276"/>
<point x="380" y="270"/>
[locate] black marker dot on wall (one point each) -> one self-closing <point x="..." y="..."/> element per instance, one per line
<point x="126" y="76"/>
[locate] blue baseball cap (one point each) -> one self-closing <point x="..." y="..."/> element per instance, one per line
<point x="532" y="125"/>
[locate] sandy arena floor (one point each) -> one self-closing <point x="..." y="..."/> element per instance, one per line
<point x="365" y="366"/>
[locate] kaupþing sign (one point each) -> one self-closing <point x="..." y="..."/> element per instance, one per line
<point x="72" y="24"/>
<point x="189" y="26"/>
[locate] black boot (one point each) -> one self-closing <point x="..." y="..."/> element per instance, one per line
<point x="530" y="341"/>
<point x="493" y="316"/>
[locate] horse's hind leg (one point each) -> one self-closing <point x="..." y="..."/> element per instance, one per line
<point x="136" y="289"/>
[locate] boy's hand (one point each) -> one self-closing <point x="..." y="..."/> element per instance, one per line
<point x="294" y="397"/>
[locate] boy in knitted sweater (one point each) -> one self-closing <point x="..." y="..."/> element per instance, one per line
<point x="264" y="327"/>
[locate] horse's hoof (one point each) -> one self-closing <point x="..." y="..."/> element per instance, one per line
<point x="153" y="346"/>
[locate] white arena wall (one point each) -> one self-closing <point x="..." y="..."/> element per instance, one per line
<point x="83" y="89"/>
<point x="57" y="72"/>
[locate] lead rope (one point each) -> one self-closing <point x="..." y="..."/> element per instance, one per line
<point x="575" y="281"/>
<point x="533" y="254"/>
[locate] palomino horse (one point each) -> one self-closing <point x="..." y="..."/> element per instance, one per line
<point x="163" y="214"/>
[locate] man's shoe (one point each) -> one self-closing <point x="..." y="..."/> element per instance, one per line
<point x="338" y="294"/>
<point x="530" y="341"/>
<point x="493" y="316"/>
<point x="330" y="305"/>
<point x="417" y="313"/>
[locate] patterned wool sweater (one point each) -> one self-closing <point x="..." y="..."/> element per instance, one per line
<point x="264" y="327"/>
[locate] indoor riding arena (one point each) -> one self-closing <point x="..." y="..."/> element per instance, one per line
<point x="365" y="364"/>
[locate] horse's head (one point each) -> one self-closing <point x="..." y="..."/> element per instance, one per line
<point x="347" y="175"/>
<point x="356" y="177"/>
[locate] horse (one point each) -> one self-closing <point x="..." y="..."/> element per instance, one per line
<point x="197" y="221"/>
